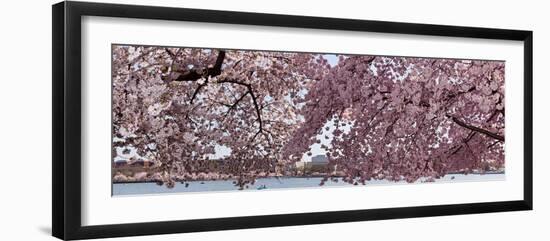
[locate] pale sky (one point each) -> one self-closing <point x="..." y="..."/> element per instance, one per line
<point x="331" y="58"/>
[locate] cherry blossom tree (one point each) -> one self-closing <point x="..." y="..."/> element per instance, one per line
<point x="395" y="118"/>
<point x="177" y="105"/>
<point x="409" y="117"/>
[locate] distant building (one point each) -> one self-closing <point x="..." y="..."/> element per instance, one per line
<point x="133" y="163"/>
<point x="318" y="164"/>
<point x="120" y="163"/>
<point x="142" y="163"/>
<point x="300" y="165"/>
<point x="319" y="160"/>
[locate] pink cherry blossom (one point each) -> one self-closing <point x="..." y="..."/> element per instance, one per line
<point x="395" y="118"/>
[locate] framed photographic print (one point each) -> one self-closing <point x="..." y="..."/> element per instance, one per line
<point x="169" y="120"/>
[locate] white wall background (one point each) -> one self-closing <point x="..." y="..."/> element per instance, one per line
<point x="25" y="122"/>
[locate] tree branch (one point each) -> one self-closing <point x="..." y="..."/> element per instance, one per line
<point x="231" y="107"/>
<point x="170" y="52"/>
<point x="197" y="91"/>
<point x="195" y="74"/>
<point x="494" y="143"/>
<point x="476" y="129"/>
<point x="254" y="101"/>
<point x="470" y="136"/>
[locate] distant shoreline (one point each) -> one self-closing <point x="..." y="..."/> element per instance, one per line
<point x="283" y="177"/>
<point x="228" y="179"/>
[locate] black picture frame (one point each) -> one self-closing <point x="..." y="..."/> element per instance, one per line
<point x="66" y="184"/>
